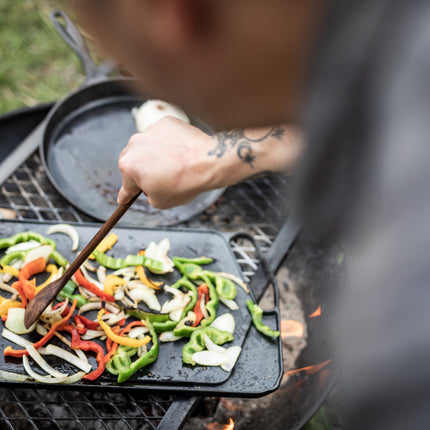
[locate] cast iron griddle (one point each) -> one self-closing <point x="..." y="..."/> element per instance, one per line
<point x="80" y="151"/>
<point x="169" y="372"/>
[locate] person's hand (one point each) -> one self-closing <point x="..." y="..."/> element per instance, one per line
<point x="168" y="162"/>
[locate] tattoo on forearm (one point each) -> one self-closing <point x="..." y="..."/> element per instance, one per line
<point x="238" y="141"/>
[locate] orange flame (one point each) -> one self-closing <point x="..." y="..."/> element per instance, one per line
<point x="309" y="370"/>
<point x="291" y="328"/>
<point x="216" y="426"/>
<point x="316" y="312"/>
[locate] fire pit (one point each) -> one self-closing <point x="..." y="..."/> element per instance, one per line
<point x="258" y="207"/>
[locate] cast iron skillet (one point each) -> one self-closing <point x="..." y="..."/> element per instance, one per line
<point x="83" y="135"/>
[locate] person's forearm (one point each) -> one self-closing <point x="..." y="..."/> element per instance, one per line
<point x="172" y="162"/>
<point x="243" y="154"/>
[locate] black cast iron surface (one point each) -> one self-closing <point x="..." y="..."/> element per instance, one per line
<point x="169" y="370"/>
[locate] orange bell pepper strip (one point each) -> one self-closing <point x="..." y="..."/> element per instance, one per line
<point x="17" y="285"/>
<point x="9" y="351"/>
<point x="29" y="270"/>
<point x="7" y="304"/>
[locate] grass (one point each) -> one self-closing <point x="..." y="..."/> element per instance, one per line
<point x="35" y="64"/>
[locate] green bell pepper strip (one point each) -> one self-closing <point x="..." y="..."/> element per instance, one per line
<point x="197" y="260"/>
<point x="197" y="341"/>
<point x="131" y="260"/>
<point x="20" y="255"/>
<point x="58" y="258"/>
<point x="67" y="293"/>
<point x="8" y="258"/>
<point x="26" y="236"/>
<point x="257" y="319"/>
<point x="128" y="367"/>
<point x="121" y="360"/>
<point x="211" y="307"/>
<point x="225" y="288"/>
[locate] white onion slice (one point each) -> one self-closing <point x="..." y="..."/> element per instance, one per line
<point x="159" y="253"/>
<point x="15" y="321"/>
<point x="135" y="332"/>
<point x="15" y="338"/>
<point x="147" y="295"/>
<point x="231" y="304"/>
<point x="212" y="346"/>
<point x="168" y="336"/>
<point x="89" y="266"/>
<point x="101" y="274"/>
<point x="69" y="357"/>
<point x="209" y="358"/>
<point x="232" y="355"/>
<point x="43" y="364"/>
<point x="225" y="322"/>
<point x="23" y="246"/>
<point x="176" y="314"/>
<point x="203" y="307"/>
<point x="235" y="279"/>
<point x="49" y="379"/>
<point x="66" y="229"/>
<point x="7" y="288"/>
<point x="81" y="354"/>
<point x="125" y="271"/>
<point x="13" y="377"/>
<point x="92" y="334"/>
<point x="43" y="251"/>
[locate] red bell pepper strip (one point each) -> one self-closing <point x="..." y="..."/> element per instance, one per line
<point x="66" y="309"/>
<point x="9" y="351"/>
<point x="29" y="270"/>
<point x="202" y="293"/>
<point x="89" y="324"/>
<point x="79" y="325"/>
<point x="87" y="345"/>
<point x="84" y="282"/>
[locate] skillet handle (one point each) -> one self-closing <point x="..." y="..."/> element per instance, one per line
<point x="71" y="35"/>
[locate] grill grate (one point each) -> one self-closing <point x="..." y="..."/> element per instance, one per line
<point x="257" y="207"/>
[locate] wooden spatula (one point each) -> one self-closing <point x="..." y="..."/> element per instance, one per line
<point x="45" y="296"/>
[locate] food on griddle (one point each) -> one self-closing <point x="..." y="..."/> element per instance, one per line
<point x="100" y="310"/>
<point x="153" y="110"/>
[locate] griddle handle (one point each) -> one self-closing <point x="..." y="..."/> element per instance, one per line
<point x="71" y="35"/>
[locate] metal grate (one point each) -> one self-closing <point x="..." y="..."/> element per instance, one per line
<point x="257" y="207"/>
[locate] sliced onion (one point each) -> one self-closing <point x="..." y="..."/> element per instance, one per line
<point x="189" y="319"/>
<point x="7" y="288"/>
<point x="101" y="274"/>
<point x="212" y="346"/>
<point x="225" y="322"/>
<point x="231" y="304"/>
<point x="13" y="377"/>
<point x="125" y="271"/>
<point x="49" y="379"/>
<point x="89" y="266"/>
<point x="40" y="329"/>
<point x="15" y="338"/>
<point x="91" y="306"/>
<point x="43" y="364"/>
<point x="147" y="295"/>
<point x="232" y="355"/>
<point x="135" y="332"/>
<point x="66" y="229"/>
<point x="159" y="253"/>
<point x="112" y="319"/>
<point x="168" y="336"/>
<point x="92" y="334"/>
<point x="69" y="357"/>
<point x="23" y="246"/>
<point x="176" y="314"/>
<point x="15" y="321"/>
<point x="203" y="307"/>
<point x="81" y="354"/>
<point x="209" y="358"/>
<point x="235" y="279"/>
<point x="43" y="251"/>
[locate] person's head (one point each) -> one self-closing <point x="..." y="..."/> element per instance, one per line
<point x="230" y="62"/>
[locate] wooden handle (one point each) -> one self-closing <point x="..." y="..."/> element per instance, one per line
<point x="98" y="237"/>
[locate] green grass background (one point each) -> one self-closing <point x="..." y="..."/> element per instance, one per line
<point x="37" y="66"/>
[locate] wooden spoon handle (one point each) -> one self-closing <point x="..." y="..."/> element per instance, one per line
<point x="98" y="237"/>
